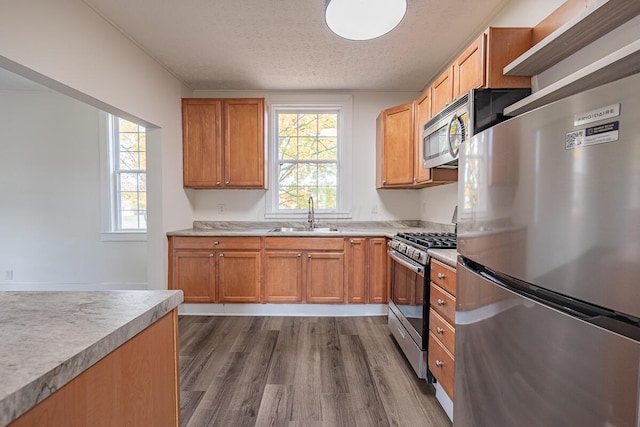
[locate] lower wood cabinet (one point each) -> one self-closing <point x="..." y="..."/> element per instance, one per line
<point x="329" y="270"/>
<point x="282" y="276"/>
<point x="304" y="269"/>
<point x="209" y="270"/>
<point x="134" y="385"/>
<point x="367" y="270"/>
<point x="441" y="354"/>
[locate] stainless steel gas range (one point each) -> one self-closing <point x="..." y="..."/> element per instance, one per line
<point x="409" y="298"/>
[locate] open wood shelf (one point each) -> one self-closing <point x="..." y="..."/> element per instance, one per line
<point x="621" y="63"/>
<point x="595" y="21"/>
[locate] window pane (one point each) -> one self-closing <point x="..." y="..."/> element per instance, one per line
<point x="307" y="148"/>
<point x="128" y="141"/>
<point x="129" y="220"/>
<point x="128" y="200"/>
<point x="288" y="174"/>
<point x="127" y="126"/>
<point x="128" y="182"/>
<point x="288" y="197"/>
<point x="288" y="148"/>
<point x="287" y="124"/>
<point x="142" y="181"/>
<point x="328" y="174"/>
<point x="328" y="124"/>
<point x="142" y="200"/>
<point x="308" y="175"/>
<point x="129" y="160"/>
<point x="303" y="197"/>
<point x="327" y="148"/>
<point x="308" y="125"/>
<point x="142" y="142"/>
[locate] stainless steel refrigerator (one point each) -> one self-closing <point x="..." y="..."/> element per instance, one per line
<point x="548" y="298"/>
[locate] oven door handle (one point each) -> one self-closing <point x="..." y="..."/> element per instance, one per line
<point x="415" y="267"/>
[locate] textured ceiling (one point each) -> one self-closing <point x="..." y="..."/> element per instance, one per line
<point x="285" y="44"/>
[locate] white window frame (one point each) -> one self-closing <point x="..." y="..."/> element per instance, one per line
<point x="342" y="104"/>
<point x="109" y="185"/>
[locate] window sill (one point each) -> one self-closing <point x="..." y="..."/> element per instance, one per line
<point x="305" y="216"/>
<point x="123" y="236"/>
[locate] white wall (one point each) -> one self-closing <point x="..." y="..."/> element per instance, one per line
<point x="50" y="220"/>
<point x="249" y="205"/>
<point x="66" y="45"/>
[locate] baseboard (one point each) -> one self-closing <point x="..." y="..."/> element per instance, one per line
<point x="445" y="401"/>
<point x="320" y="310"/>
<point x="45" y="286"/>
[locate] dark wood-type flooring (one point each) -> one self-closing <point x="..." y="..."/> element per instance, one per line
<point x="299" y="371"/>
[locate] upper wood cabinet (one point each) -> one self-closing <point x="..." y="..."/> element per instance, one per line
<point x="224" y="143"/>
<point x="481" y="64"/>
<point x="394" y="143"/>
<point x="442" y="91"/>
<point x="422" y="115"/>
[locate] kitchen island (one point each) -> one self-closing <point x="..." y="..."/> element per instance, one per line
<point x="89" y="358"/>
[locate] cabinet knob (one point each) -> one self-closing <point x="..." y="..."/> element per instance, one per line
<point x="226" y="182"/>
<point x="441" y="276"/>
<point x="384" y="181"/>
<point x="351" y="241"/>
<point x="217" y="182"/>
<point x="210" y="255"/>
<point x="441" y="302"/>
<point x="299" y="255"/>
<point x="440" y="330"/>
<point x="309" y="256"/>
<point x="415" y="179"/>
<point x="439" y="364"/>
<point x="216" y="243"/>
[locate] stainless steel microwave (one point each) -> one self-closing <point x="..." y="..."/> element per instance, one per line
<point x="475" y="111"/>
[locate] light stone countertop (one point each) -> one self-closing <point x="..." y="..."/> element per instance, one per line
<point x="49" y="338"/>
<point x="447" y="256"/>
<point x="346" y="228"/>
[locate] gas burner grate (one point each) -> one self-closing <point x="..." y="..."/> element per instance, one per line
<point x="431" y="240"/>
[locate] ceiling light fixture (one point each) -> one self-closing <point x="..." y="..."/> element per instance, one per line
<point x="363" y="19"/>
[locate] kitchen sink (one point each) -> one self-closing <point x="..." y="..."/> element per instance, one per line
<point x="304" y="229"/>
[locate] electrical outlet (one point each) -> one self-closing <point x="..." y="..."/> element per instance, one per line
<point x="374" y="209"/>
<point x="221" y="208"/>
<point x="8" y="275"/>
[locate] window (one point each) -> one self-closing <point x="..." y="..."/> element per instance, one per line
<point x="127" y="146"/>
<point x="310" y="153"/>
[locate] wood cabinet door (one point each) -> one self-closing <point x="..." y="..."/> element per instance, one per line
<point x="397" y="145"/>
<point x="194" y="274"/>
<point x="201" y="143"/>
<point x="239" y="276"/>
<point x="282" y="276"/>
<point x="469" y="70"/>
<point x="244" y="143"/>
<point x="442" y="91"/>
<point x="422" y="115"/>
<point x="377" y="269"/>
<point x="324" y="277"/>
<point x="357" y="271"/>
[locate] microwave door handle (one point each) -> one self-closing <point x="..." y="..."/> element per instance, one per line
<point x="416" y="268"/>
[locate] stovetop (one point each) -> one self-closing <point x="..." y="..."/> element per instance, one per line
<point x="415" y="245"/>
<point x="430" y="240"/>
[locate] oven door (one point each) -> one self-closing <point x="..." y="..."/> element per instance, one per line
<point x="408" y="294"/>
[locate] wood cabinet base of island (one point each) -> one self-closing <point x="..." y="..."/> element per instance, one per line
<point x="135" y="385"/>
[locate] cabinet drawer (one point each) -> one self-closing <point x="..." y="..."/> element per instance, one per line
<point x="444" y="303"/>
<point x="443" y="276"/>
<point x="216" y="243"/>
<point x="442" y="330"/>
<point x="441" y="364"/>
<point x="305" y="243"/>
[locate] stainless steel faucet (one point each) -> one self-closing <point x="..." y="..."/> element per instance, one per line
<point x="312" y="214"/>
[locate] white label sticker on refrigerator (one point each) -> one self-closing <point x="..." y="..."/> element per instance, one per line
<point x="595" y="115"/>
<point x="600" y="134"/>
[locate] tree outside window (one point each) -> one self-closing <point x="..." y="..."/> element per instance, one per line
<point x="308" y="164"/>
